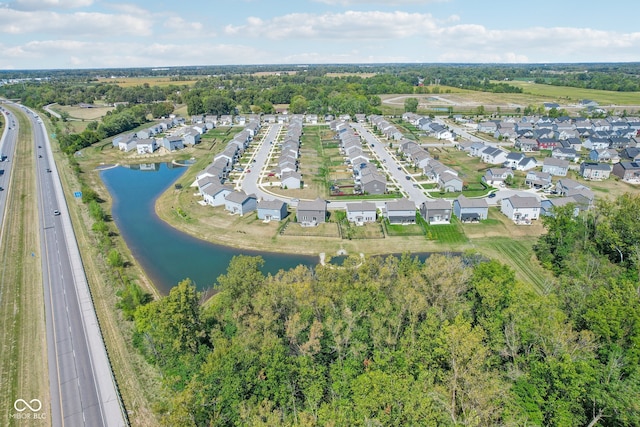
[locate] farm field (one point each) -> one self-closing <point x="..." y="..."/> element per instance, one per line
<point x="565" y="94"/>
<point x="151" y="81"/>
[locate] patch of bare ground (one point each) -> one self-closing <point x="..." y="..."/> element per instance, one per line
<point x="23" y="345"/>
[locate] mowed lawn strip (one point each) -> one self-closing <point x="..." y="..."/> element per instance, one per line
<point x="518" y="254"/>
<point x="23" y="345"/>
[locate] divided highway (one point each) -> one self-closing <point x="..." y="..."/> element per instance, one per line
<point x="82" y="386"/>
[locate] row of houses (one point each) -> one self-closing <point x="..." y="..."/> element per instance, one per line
<point x="287" y="168"/>
<point x="366" y="176"/>
<point x="170" y="134"/>
<point x="211" y="181"/>
<point x="614" y="132"/>
<point x="428" y="125"/>
<point x="383" y="126"/>
<point x="446" y="178"/>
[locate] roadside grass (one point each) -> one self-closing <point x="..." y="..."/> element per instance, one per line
<point x="23" y="343"/>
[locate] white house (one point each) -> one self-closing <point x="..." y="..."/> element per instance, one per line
<point x="521" y="209"/>
<point x="361" y="212"/>
<point x="146" y="146"/>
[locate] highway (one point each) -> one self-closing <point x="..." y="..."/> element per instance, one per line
<point x="7" y="149"/>
<point x="82" y="386"/>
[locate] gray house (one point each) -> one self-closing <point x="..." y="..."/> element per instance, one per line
<point x="312" y="212"/>
<point x="436" y="211"/>
<point x="470" y="210"/>
<point x="173" y="143"/>
<point x="272" y="210"/>
<point x="595" y="171"/>
<point x="449" y="183"/>
<point x="555" y="167"/>
<point x="401" y="211"/>
<point x="239" y="202"/>
<point x="372" y="181"/>
<point x="361" y="212"/>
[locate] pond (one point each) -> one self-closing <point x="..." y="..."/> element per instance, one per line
<point x="166" y="254"/>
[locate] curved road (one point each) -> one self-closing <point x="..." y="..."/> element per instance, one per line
<point x="83" y="390"/>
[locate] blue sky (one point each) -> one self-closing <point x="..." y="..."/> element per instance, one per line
<point x="43" y="34"/>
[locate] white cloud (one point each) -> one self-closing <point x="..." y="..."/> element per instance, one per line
<point x="48" y="4"/>
<point x="348" y="26"/>
<point x="181" y="28"/>
<point x="370" y="2"/>
<point x="76" y="54"/>
<point x="79" y="24"/>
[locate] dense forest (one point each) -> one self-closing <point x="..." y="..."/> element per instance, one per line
<point x="397" y="341"/>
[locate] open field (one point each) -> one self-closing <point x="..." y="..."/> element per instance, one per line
<point x="23" y="343"/>
<point x="82" y="113"/>
<point x="466" y="101"/>
<point x="564" y="94"/>
<point x="151" y="81"/>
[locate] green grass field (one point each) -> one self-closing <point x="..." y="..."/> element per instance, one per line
<point x="564" y="93"/>
<point x="447" y="233"/>
<point x="518" y="254"/>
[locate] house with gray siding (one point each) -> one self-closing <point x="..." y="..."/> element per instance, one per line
<point x="402" y="211"/>
<point x="372" y="181"/>
<point x="311" y="212"/>
<point x="272" y="210"/>
<point x="627" y="171"/>
<point x="470" y="210"/>
<point x="595" y="171"/>
<point x="449" y="182"/>
<point x="437" y="211"/>
<point x="239" y="202"/>
<point x="290" y="179"/>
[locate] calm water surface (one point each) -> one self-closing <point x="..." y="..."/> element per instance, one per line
<point x="167" y="255"/>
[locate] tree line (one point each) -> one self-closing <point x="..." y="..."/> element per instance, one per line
<point x="399" y="341"/>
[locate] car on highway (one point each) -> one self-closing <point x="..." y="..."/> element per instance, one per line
<point x="40" y="156"/>
<point x="1" y="189"/>
<point x="48" y="170"/>
<point x="407" y="177"/>
<point x="56" y="212"/>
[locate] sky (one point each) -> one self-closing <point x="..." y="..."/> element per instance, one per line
<point x="72" y="34"/>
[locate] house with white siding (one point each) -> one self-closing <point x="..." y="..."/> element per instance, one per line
<point x="521" y="210"/>
<point x="361" y="212"/>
